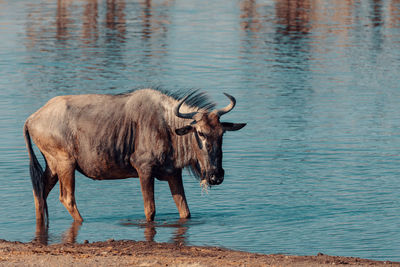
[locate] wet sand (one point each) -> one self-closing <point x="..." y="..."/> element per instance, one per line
<point x="132" y="253"/>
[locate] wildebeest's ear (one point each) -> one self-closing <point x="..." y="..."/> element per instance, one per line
<point x="228" y="126"/>
<point x="184" y="130"/>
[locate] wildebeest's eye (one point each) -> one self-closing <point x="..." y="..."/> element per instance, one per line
<point x="201" y="134"/>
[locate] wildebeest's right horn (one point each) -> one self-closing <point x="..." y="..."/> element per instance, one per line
<point x="228" y="108"/>
<point x="183" y="115"/>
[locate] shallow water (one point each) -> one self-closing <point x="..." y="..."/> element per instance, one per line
<point x="315" y="170"/>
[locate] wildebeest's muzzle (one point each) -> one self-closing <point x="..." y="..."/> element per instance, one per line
<point x="216" y="177"/>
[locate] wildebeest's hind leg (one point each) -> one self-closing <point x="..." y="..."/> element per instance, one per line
<point x="51" y="179"/>
<point x="178" y="194"/>
<point x="66" y="176"/>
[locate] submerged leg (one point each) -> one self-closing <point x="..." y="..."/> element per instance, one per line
<point x="40" y="205"/>
<point x="147" y="186"/>
<point x="49" y="180"/>
<point x="178" y="194"/>
<point x="66" y="176"/>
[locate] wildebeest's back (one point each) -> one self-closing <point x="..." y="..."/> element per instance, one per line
<point x="96" y="131"/>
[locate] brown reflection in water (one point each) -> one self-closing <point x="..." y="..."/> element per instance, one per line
<point x="115" y="17"/>
<point x="90" y="31"/>
<point x="41" y="234"/>
<point x="154" y="18"/>
<point x="91" y="20"/>
<point x="377" y="20"/>
<point x="180" y="233"/>
<point x="327" y="17"/>
<point x="294" y="15"/>
<point x="66" y="21"/>
<point x="62" y="19"/>
<point x="376" y="10"/>
<point x="69" y="236"/>
<point x="150" y="230"/>
<point x="154" y="27"/>
<point x="250" y="18"/>
<point x="296" y="19"/>
<point x="394" y="9"/>
<point x="146" y="22"/>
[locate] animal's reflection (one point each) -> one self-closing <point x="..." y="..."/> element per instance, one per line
<point x="150" y="231"/>
<point x="69" y="236"/>
<point x="41" y="234"/>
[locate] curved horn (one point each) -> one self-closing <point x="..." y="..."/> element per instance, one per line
<point x="228" y="108"/>
<point x="183" y="115"/>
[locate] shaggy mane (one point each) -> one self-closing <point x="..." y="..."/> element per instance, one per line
<point x="196" y="99"/>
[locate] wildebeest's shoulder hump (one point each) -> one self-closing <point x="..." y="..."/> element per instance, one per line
<point x="196" y="99"/>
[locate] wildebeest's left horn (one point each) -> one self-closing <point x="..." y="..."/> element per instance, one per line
<point x="183" y="115"/>
<point x="228" y="108"/>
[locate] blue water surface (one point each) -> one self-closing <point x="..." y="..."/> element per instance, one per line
<point x="317" y="167"/>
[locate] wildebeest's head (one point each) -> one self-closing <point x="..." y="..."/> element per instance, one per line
<point x="207" y="135"/>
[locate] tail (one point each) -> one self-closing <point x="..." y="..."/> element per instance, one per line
<point x="37" y="175"/>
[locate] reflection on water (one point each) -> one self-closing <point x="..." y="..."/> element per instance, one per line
<point x="150" y="229"/>
<point x="97" y="32"/>
<point x="41" y="234"/>
<point x="68" y="237"/>
<point x="316" y="168"/>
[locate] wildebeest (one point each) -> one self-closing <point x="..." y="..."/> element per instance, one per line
<point x="146" y="133"/>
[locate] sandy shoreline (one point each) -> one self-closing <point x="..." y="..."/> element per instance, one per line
<point x="140" y="253"/>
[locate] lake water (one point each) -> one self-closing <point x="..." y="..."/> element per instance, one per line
<point x="317" y="167"/>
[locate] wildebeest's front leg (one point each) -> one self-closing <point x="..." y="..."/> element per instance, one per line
<point x="178" y="193"/>
<point x="140" y="162"/>
<point x="147" y="186"/>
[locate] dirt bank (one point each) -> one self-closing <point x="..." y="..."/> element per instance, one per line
<point x="132" y="253"/>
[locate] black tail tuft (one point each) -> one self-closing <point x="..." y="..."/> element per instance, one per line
<point x="37" y="174"/>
